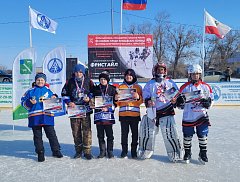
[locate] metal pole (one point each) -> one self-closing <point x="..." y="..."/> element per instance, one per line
<point x="121" y="17"/>
<point x="30" y="29"/>
<point x="203" y="47"/>
<point x="112" y="15"/>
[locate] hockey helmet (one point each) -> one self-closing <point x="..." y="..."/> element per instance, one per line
<point x="158" y="65"/>
<point x="195" y="68"/>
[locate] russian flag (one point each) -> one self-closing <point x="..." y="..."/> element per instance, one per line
<point x="134" y="4"/>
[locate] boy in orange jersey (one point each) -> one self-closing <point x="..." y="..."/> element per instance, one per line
<point x="129" y="113"/>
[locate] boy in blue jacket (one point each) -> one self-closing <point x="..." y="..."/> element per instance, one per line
<point x="32" y="100"/>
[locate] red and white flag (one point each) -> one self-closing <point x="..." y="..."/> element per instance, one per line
<point x="213" y="26"/>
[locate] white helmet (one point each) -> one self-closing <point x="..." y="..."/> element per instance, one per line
<point x="196" y="68"/>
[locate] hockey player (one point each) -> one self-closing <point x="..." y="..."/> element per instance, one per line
<point x="38" y="119"/>
<point x="78" y="89"/>
<point x="104" y="117"/>
<point x="195" y="113"/>
<point x="129" y="113"/>
<point x="153" y="95"/>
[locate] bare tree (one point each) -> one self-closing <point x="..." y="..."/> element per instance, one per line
<point x="160" y="36"/>
<point x="219" y="50"/>
<point x="181" y="42"/>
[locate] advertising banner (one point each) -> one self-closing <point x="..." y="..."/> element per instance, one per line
<point x="5" y="95"/>
<point x="54" y="66"/>
<point x="116" y="53"/>
<point x="23" y="77"/>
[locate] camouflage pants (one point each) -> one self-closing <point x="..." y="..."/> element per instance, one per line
<point x="82" y="134"/>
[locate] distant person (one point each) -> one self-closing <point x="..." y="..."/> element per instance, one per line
<point x="32" y="100"/>
<point x="78" y="90"/>
<point x="228" y="73"/>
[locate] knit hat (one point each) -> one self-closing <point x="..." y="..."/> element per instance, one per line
<point x="79" y="67"/>
<point x="105" y="75"/>
<point x="132" y="73"/>
<point x="41" y="75"/>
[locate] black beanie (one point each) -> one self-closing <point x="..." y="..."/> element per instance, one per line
<point x="104" y="75"/>
<point x="132" y="73"/>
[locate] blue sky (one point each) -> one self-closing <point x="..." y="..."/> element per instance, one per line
<point x="78" y="18"/>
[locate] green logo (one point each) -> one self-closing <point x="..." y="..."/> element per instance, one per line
<point x="26" y="66"/>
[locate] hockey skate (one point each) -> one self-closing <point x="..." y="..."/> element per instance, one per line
<point x="187" y="156"/>
<point x="203" y="157"/>
<point x="147" y="154"/>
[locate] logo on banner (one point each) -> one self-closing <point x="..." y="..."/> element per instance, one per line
<point x="216" y="92"/>
<point x="26" y="66"/>
<point x="43" y="21"/>
<point x="55" y="65"/>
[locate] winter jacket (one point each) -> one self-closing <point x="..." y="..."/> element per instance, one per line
<point x="195" y="113"/>
<point x="102" y="117"/>
<point x="36" y="114"/>
<point x="70" y="89"/>
<point x="155" y="91"/>
<point x="130" y="111"/>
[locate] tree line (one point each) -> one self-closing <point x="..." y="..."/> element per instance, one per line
<point x="179" y="45"/>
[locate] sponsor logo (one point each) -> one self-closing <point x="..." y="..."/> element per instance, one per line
<point x="55" y="65"/>
<point x="103" y="65"/>
<point x="26" y="66"/>
<point x="216" y="92"/>
<point x="43" y="21"/>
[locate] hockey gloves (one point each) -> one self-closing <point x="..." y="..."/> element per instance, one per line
<point x="206" y="102"/>
<point x="181" y="101"/>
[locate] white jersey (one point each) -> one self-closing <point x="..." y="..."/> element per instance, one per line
<point x="194" y="113"/>
<point x="155" y="91"/>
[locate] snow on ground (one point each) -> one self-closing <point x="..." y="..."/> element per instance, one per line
<point x="18" y="160"/>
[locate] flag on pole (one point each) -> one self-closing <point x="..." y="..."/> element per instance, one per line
<point x="213" y="26"/>
<point x="23" y="77"/>
<point x="54" y="66"/>
<point x="41" y="21"/>
<point x="134" y="4"/>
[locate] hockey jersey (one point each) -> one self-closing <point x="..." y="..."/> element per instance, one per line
<point x="130" y="111"/>
<point x="36" y="114"/>
<point x="194" y="113"/>
<point x="155" y="91"/>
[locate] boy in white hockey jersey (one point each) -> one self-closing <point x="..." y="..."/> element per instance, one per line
<point x="154" y="95"/>
<point x="195" y="114"/>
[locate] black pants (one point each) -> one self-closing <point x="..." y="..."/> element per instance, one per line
<point x="228" y="78"/>
<point x="101" y="130"/>
<point x="51" y="135"/>
<point x="125" y="125"/>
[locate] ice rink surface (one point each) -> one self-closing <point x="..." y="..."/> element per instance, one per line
<point x="18" y="161"/>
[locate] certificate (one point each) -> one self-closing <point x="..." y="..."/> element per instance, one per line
<point x="193" y="96"/>
<point x="171" y="93"/>
<point x="53" y="104"/>
<point x="103" y="101"/>
<point x="79" y="111"/>
<point x="125" y="94"/>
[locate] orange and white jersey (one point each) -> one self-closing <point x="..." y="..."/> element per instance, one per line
<point x="194" y="113"/>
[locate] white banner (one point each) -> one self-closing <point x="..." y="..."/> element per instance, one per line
<point x="54" y="66"/>
<point x="42" y="22"/>
<point x="23" y="76"/>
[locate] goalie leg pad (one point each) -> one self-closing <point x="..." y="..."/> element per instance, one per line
<point x="147" y="132"/>
<point x="171" y="138"/>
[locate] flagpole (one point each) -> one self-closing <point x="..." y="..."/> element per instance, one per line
<point x="121" y="17"/>
<point x="30" y="29"/>
<point x="203" y="47"/>
<point x="112" y="15"/>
